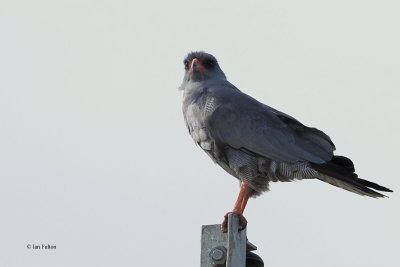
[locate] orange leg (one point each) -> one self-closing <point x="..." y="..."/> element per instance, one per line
<point x="246" y="197"/>
<point x="240" y="204"/>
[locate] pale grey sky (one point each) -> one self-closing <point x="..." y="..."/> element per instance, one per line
<point x="95" y="157"/>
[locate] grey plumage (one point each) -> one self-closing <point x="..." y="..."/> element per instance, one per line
<point x="254" y="142"/>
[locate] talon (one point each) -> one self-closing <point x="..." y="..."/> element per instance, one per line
<point x="242" y="221"/>
<point x="224" y="224"/>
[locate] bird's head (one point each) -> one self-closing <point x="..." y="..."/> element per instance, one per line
<point x="201" y="66"/>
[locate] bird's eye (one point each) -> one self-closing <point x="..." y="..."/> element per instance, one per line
<point x="186" y="63"/>
<point x="209" y="63"/>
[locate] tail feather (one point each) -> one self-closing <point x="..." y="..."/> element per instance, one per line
<point x="340" y="172"/>
<point x="351" y="186"/>
<point x="374" y="185"/>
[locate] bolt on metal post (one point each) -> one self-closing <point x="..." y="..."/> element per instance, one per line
<point x="218" y="255"/>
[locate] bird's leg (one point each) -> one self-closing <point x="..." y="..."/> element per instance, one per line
<point x="244" y="194"/>
<point x="238" y="205"/>
<point x="246" y="197"/>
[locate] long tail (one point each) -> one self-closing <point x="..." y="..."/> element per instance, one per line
<point x="340" y="172"/>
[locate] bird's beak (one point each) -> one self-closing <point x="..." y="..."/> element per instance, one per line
<point x="196" y="66"/>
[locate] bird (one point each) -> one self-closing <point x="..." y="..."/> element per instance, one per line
<point x="256" y="143"/>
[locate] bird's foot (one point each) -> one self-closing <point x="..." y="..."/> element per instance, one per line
<point x="242" y="222"/>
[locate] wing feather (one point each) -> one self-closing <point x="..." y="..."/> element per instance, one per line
<point x="240" y="121"/>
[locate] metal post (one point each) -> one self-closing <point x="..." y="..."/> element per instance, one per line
<point x="229" y="250"/>
<point x="236" y="243"/>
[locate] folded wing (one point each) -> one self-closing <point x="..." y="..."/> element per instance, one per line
<point x="243" y="122"/>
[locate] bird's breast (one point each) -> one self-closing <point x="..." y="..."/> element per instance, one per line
<point x="198" y="108"/>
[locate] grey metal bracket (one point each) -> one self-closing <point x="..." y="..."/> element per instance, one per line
<point x="229" y="249"/>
